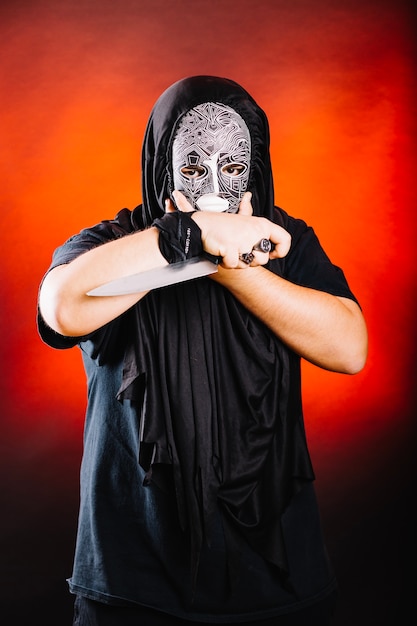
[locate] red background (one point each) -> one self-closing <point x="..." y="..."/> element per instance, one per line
<point x="337" y="80"/>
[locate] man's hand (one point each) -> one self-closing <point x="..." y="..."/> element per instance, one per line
<point x="229" y="235"/>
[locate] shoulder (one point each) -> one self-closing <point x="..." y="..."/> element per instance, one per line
<point x="122" y="224"/>
<point x="297" y="227"/>
<point x="307" y="264"/>
<point x="93" y="236"/>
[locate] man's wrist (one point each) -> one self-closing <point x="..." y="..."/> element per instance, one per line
<point x="179" y="236"/>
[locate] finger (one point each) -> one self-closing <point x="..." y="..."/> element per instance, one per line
<point x="181" y="201"/>
<point x="263" y="245"/>
<point x="246" y="257"/>
<point x="169" y="206"/>
<point x="230" y="260"/>
<point x="282" y="240"/>
<point x="245" y="206"/>
<point x="260" y="258"/>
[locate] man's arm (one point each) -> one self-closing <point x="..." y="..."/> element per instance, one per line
<point x="63" y="302"/>
<point x="327" y="330"/>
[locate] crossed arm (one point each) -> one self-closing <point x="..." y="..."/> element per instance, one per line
<point x="327" y="330"/>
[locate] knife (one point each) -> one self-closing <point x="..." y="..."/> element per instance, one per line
<point x="172" y="274"/>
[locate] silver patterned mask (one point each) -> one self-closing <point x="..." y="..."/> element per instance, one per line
<point x="211" y="157"/>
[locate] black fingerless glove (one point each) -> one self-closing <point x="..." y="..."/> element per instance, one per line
<point x="179" y="236"/>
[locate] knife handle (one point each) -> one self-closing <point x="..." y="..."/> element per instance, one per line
<point x="212" y="258"/>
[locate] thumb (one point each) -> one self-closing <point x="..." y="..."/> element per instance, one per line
<point x="169" y="206"/>
<point x="245" y="206"/>
<point x="182" y="202"/>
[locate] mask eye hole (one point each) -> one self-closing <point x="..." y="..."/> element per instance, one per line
<point x="193" y="171"/>
<point x="233" y="169"/>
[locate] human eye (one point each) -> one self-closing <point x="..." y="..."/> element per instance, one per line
<point x="233" y="169"/>
<point x="193" y="171"/>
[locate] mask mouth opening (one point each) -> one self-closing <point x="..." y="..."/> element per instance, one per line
<point x="213" y="202"/>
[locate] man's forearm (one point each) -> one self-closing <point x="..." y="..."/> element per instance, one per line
<point x="326" y="330"/>
<point x="63" y="300"/>
<point x="69" y="311"/>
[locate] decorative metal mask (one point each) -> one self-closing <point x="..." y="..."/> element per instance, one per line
<point x="211" y="157"/>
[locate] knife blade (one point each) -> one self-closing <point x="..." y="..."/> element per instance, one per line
<point x="172" y="274"/>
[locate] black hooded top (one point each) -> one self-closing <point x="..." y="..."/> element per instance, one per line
<point x="227" y="397"/>
<point x="193" y="384"/>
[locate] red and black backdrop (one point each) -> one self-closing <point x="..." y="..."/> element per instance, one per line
<point x="337" y="80"/>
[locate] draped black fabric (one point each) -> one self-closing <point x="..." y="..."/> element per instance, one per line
<point x="219" y="392"/>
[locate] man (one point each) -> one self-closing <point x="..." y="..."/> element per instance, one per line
<point x="197" y="502"/>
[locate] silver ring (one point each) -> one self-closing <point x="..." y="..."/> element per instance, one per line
<point x="264" y="245"/>
<point x="246" y="257"/>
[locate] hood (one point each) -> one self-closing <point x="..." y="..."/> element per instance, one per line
<point x="160" y="131"/>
